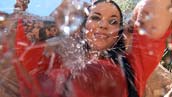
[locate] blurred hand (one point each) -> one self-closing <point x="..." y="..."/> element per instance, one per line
<point x="153" y="17"/>
<point x="69" y="16"/>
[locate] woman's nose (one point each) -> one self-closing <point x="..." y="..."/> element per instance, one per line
<point x="103" y="24"/>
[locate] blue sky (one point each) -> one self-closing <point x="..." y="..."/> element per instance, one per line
<point x="39" y="7"/>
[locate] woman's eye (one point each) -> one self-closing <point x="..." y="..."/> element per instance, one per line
<point x="96" y="18"/>
<point x="113" y="22"/>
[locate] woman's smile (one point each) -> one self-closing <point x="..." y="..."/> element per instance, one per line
<point x="99" y="35"/>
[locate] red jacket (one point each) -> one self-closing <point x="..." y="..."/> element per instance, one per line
<point x="99" y="79"/>
<point x="145" y="56"/>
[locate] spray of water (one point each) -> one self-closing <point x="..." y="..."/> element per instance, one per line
<point x="70" y="48"/>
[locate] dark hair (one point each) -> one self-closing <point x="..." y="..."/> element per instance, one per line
<point x="112" y="2"/>
<point x="117" y="54"/>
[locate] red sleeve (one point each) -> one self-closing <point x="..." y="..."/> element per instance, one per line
<point x="32" y="65"/>
<point x="27" y="61"/>
<point x="29" y="54"/>
<point x="145" y="56"/>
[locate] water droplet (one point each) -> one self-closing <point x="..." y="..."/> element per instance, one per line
<point x="86" y="11"/>
<point x="82" y="42"/>
<point x="66" y="30"/>
<point x="89" y="62"/>
<point x="73" y="45"/>
<point x="5" y="30"/>
<point x="86" y="31"/>
<point x="78" y="45"/>
<point x="66" y="19"/>
<point x="137" y="23"/>
<point x="142" y="31"/>
<point x="2" y="18"/>
<point x="148" y="17"/>
<point x="151" y="53"/>
<point x="77" y="4"/>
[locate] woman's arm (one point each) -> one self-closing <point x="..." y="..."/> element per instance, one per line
<point x="153" y="17"/>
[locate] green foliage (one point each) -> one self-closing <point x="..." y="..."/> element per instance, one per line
<point x="167" y="61"/>
<point x="127" y="5"/>
<point x="167" y="58"/>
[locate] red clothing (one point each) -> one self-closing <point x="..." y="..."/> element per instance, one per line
<point x="145" y="56"/>
<point x="95" y="80"/>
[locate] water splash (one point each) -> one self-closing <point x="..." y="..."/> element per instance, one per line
<point x="2" y="18"/>
<point x="72" y="17"/>
<point x="70" y="49"/>
<point x="142" y="31"/>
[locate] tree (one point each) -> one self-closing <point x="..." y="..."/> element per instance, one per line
<point x="167" y="58"/>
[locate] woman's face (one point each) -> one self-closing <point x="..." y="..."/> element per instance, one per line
<point x="102" y="26"/>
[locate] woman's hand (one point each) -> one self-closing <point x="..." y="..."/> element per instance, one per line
<point x="153" y="17"/>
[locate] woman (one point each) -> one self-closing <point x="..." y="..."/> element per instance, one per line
<point x="113" y="74"/>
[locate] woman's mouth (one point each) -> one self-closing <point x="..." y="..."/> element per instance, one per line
<point x="100" y="36"/>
